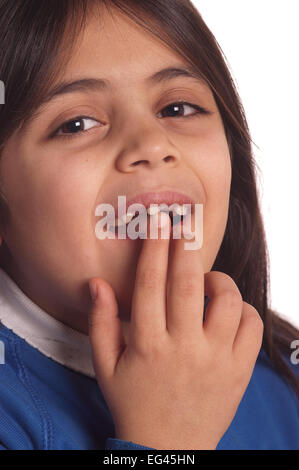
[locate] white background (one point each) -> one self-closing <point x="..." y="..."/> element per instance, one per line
<point x="260" y="40"/>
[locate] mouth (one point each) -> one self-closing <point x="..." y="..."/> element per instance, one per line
<point x="178" y="205"/>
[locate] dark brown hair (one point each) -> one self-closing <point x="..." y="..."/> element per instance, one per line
<point x="31" y="33"/>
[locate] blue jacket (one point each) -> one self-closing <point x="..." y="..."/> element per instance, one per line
<point x="45" y="405"/>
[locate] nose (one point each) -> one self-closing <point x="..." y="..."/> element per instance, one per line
<point x="148" y="148"/>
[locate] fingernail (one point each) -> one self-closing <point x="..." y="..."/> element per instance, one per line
<point x="93" y="291"/>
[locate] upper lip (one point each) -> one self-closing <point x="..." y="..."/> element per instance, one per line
<point x="167" y="197"/>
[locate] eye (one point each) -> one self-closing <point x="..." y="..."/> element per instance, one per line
<point x="175" y="108"/>
<point x="75" y="126"/>
<point x="81" y="124"/>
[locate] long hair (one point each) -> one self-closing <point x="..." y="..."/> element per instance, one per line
<point x="31" y="34"/>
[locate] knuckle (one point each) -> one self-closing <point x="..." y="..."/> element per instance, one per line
<point x="150" y="278"/>
<point x="94" y="319"/>
<point x="229" y="292"/>
<point x="185" y="283"/>
<point x="149" y="349"/>
<point x="231" y="298"/>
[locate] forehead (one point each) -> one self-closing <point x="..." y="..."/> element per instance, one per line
<point x="114" y="47"/>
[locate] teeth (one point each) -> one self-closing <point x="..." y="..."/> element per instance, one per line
<point x="153" y="210"/>
<point x="124" y="219"/>
<point x="127" y="217"/>
<point x="181" y="210"/>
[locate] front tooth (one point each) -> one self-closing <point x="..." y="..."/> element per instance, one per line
<point x="181" y="210"/>
<point x="152" y="210"/>
<point x="127" y="217"/>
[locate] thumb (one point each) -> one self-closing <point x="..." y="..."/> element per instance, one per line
<point x="105" y="332"/>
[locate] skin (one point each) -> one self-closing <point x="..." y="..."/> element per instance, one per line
<point x="184" y="376"/>
<point x="53" y="185"/>
<point x="180" y="374"/>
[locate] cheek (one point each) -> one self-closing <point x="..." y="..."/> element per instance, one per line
<point x="213" y="168"/>
<point x="70" y="202"/>
<point x="212" y="165"/>
<point x="51" y="200"/>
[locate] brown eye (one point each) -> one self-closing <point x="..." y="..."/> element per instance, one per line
<point x="177" y="109"/>
<point x="76" y="126"/>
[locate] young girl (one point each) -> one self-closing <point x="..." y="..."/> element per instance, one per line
<point x="179" y="348"/>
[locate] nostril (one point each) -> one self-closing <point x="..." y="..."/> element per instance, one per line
<point x="138" y="162"/>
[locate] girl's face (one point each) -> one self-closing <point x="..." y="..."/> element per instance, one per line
<point x="54" y="177"/>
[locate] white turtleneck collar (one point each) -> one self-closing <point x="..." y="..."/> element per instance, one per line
<point x="51" y="337"/>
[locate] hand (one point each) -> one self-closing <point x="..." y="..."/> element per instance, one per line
<point x="178" y="382"/>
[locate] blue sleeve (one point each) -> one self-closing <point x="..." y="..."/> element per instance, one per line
<point x="2" y="448"/>
<point x="118" y="444"/>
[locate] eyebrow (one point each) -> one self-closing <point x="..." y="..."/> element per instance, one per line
<point x="100" y="84"/>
